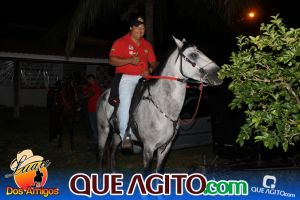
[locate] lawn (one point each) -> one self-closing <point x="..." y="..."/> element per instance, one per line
<point x="31" y="132"/>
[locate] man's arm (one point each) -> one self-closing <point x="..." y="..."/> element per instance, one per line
<point x="87" y="93"/>
<point x="117" y="61"/>
<point x="150" y="69"/>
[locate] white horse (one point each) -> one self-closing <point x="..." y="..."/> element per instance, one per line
<point x="156" y="106"/>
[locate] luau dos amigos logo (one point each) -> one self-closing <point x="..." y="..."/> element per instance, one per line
<point x="30" y="174"/>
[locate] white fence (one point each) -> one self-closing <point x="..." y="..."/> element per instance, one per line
<point x="35" y="79"/>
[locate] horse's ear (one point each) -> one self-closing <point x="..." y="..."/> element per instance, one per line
<point x="178" y="42"/>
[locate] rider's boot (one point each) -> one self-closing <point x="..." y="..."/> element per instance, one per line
<point x="127" y="144"/>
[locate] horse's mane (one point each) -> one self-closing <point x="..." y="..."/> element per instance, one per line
<point x="165" y="58"/>
<point x="143" y="85"/>
<point x="67" y="91"/>
<point x="158" y="70"/>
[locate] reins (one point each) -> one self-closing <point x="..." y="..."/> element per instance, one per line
<point x="201" y="86"/>
<point x="66" y="103"/>
<point x="177" y="121"/>
<point x="188" y="121"/>
<point x="182" y="80"/>
<point x="186" y="79"/>
<point x="161" y="77"/>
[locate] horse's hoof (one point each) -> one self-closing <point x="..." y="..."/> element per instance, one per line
<point x="137" y="149"/>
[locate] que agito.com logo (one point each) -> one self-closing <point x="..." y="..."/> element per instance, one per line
<point x="30" y="175"/>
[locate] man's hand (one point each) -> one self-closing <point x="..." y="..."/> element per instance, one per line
<point x="146" y="72"/>
<point x="134" y="60"/>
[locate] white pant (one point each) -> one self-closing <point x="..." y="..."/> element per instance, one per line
<point x="126" y="89"/>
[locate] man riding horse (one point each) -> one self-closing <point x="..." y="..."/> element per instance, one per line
<point x="156" y="104"/>
<point x="130" y="55"/>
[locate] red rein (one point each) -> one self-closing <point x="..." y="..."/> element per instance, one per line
<point x="161" y="77"/>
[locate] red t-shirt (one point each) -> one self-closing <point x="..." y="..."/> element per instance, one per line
<point x="125" y="47"/>
<point x="92" y="101"/>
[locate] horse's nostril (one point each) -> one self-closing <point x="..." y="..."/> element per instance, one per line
<point x="202" y="71"/>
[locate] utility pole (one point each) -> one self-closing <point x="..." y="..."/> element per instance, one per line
<point x="149" y="15"/>
<point x="17" y="71"/>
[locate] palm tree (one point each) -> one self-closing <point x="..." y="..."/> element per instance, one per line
<point x="88" y="11"/>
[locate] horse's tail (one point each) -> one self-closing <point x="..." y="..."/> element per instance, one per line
<point x="105" y="135"/>
<point x="103" y="105"/>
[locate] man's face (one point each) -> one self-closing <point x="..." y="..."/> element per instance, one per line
<point x="91" y="81"/>
<point x="137" y="32"/>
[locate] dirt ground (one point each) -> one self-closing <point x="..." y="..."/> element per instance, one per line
<point x="31" y="132"/>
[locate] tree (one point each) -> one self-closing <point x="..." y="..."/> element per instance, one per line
<point x="265" y="79"/>
<point x="88" y="11"/>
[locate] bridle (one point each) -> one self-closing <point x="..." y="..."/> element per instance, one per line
<point x="67" y="103"/>
<point x="185" y="80"/>
<point x="184" y="57"/>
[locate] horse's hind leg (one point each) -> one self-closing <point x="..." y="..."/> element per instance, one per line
<point x="162" y="154"/>
<point x="103" y="132"/>
<point x="114" y="146"/>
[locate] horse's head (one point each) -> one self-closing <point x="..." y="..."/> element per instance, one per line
<point x="195" y="65"/>
<point x="71" y="91"/>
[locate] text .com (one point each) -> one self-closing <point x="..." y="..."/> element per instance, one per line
<point x="154" y="184"/>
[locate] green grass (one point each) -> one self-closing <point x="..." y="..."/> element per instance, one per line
<point x="31" y="132"/>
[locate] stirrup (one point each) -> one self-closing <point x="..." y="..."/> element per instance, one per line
<point x="127" y="145"/>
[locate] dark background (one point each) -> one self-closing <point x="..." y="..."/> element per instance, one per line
<point x="189" y="19"/>
<point x="47" y="22"/>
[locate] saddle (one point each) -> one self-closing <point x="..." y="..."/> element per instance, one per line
<point x="114" y="101"/>
<point x="114" y="91"/>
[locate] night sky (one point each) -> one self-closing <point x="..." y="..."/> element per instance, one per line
<point x="36" y="20"/>
<point x="180" y="16"/>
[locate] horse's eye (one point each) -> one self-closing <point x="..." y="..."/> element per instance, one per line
<point x="193" y="55"/>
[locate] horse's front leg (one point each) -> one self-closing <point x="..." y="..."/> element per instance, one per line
<point x="162" y="154"/>
<point x="147" y="159"/>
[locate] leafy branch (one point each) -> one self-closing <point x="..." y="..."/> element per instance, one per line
<point x="265" y="75"/>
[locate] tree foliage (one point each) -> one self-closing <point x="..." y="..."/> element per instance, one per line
<point x="265" y="79"/>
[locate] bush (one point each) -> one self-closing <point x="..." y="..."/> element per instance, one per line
<point x="265" y="79"/>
